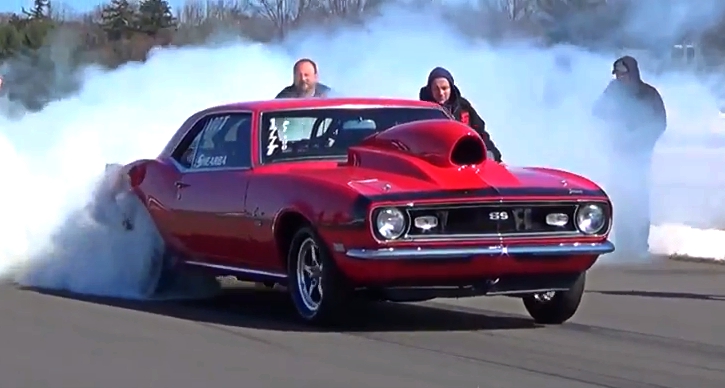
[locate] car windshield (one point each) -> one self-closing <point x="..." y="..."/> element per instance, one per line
<point x="328" y="133"/>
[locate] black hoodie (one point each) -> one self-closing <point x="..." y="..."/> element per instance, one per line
<point x="463" y="111"/>
<point x="291" y="91"/>
<point x="634" y="111"/>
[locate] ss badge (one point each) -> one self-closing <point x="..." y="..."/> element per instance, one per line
<point x="498" y="216"/>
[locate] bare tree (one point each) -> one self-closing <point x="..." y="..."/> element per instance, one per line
<point x="575" y="21"/>
<point x="346" y="8"/>
<point x="503" y="19"/>
<point x="203" y="20"/>
<point x="514" y="10"/>
<point x="284" y="14"/>
<point x="61" y="11"/>
<point x="560" y="10"/>
<point x="191" y="14"/>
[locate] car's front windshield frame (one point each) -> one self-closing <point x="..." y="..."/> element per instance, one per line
<point x="269" y="140"/>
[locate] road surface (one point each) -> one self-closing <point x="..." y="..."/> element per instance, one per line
<point x="656" y="325"/>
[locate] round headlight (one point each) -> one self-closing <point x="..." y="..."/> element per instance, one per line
<point x="591" y="218"/>
<point x="390" y="223"/>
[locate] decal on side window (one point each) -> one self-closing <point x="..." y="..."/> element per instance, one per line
<point x="214" y="125"/>
<point x="210" y="161"/>
<point x="211" y="128"/>
<point x="274" y="136"/>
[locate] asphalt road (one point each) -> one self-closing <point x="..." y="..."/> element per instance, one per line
<point x="659" y="325"/>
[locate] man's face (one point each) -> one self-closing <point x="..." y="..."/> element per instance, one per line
<point x="623" y="77"/>
<point x="621" y="72"/>
<point x="440" y="88"/>
<point x="305" y="77"/>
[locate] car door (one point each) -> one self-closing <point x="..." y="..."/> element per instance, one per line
<point x="164" y="195"/>
<point x="211" y="193"/>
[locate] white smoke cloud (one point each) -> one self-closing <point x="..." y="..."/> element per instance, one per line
<point x="54" y="158"/>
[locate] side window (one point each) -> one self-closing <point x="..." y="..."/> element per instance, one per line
<point x="225" y="142"/>
<point x="218" y="141"/>
<point x="184" y="153"/>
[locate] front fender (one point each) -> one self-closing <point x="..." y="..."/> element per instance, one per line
<point x="329" y="208"/>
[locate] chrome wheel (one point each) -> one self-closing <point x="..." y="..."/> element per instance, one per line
<point x="309" y="274"/>
<point x="544" y="296"/>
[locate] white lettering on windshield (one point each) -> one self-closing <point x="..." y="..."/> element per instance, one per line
<point x="274" y="136"/>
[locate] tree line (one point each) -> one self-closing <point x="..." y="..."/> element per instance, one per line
<point x="35" y="42"/>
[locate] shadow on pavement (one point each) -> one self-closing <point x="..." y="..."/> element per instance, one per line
<point x="271" y="310"/>
<point x="667" y="295"/>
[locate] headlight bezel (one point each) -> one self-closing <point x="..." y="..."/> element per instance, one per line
<point x="377" y="212"/>
<point x="606" y="215"/>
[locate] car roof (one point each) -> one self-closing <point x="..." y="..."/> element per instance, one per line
<point x="316" y="103"/>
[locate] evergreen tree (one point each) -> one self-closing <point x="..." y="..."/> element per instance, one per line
<point x="119" y="19"/>
<point x="155" y="16"/>
<point x="40" y="10"/>
<point x="35" y="33"/>
<point x="11" y="41"/>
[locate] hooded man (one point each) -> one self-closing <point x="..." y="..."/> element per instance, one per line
<point x="304" y="83"/>
<point x="635" y="118"/>
<point x="442" y="89"/>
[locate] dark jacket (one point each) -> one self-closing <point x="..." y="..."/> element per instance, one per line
<point x="463" y="111"/>
<point x="321" y="90"/>
<point x="633" y="112"/>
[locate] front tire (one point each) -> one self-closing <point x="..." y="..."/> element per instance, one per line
<point x="556" y="307"/>
<point x="316" y="286"/>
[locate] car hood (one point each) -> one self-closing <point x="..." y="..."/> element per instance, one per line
<point x="445" y="155"/>
<point x="492" y="178"/>
<point x="438" y="156"/>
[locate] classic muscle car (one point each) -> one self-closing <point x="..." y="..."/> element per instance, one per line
<point x="381" y="198"/>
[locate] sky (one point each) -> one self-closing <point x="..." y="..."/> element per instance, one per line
<point x="79" y="5"/>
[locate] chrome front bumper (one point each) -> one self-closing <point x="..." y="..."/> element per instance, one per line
<point x="565" y="249"/>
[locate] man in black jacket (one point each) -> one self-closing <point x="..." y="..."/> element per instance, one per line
<point x="635" y="118"/>
<point x="442" y="89"/>
<point x="304" y="82"/>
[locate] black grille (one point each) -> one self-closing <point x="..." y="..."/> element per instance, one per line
<point x="495" y="219"/>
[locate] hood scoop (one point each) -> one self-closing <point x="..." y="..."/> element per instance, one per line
<point x="440" y="143"/>
<point x="443" y="152"/>
<point x="467" y="151"/>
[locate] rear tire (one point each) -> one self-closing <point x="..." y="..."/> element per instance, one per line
<point x="160" y="276"/>
<point x="556" y="307"/>
<point x="316" y="286"/>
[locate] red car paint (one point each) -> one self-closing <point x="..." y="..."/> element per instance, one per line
<point x="232" y="220"/>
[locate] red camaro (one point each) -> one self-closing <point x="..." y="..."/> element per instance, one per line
<point x="383" y="198"/>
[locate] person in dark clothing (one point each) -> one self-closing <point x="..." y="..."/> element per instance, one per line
<point x="633" y="109"/>
<point x="304" y="82"/>
<point x="442" y="89"/>
<point x="635" y="118"/>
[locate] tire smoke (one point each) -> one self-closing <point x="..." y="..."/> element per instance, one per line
<point x="58" y="234"/>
